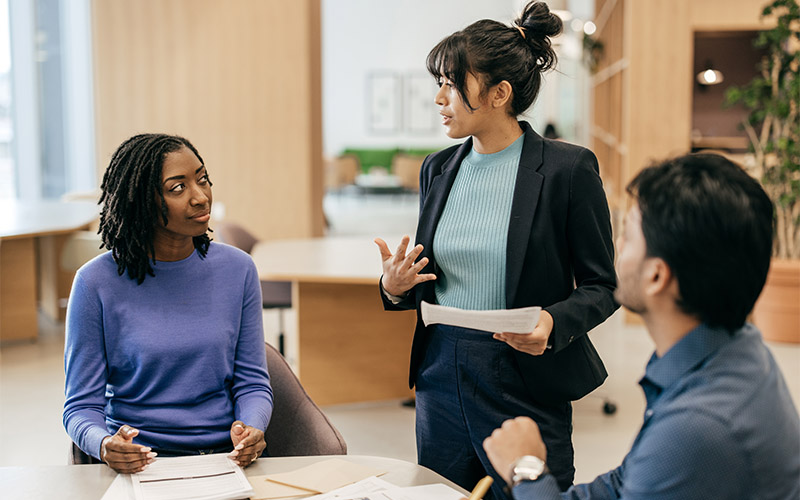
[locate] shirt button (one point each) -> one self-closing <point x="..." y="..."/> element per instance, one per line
<point x="648" y="413"/>
<point x="571" y="339"/>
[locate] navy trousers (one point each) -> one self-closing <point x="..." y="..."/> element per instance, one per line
<point x="467" y="385"/>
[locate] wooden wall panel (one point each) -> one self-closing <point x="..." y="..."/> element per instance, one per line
<point x="240" y="79"/>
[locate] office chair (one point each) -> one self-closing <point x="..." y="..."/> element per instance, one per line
<point x="297" y="427"/>
<point x="274" y="294"/>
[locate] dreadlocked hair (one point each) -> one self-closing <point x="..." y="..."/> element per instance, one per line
<point x="131" y="197"/>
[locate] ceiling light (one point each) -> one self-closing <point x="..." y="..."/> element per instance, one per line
<point x="710" y="76"/>
<point x="589" y="28"/>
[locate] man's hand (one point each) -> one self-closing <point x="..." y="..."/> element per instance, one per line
<point x="515" y="438"/>
<point x="119" y="452"/>
<point x="533" y="343"/>
<point x="248" y="443"/>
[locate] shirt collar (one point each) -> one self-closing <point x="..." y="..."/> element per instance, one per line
<point x="686" y="354"/>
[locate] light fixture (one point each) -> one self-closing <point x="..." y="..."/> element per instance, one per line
<point x="710" y="76"/>
<point x="576" y="25"/>
<point x="589" y="28"/>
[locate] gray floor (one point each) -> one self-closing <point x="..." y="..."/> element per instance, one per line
<point x="32" y="378"/>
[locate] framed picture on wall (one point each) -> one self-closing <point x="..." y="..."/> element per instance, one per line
<point x="421" y="114"/>
<point x="384" y="96"/>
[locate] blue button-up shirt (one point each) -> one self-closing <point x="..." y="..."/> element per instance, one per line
<point x="719" y="423"/>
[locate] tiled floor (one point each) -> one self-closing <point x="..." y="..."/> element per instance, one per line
<point x="32" y="378"/>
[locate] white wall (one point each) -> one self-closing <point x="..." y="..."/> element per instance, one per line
<point x="362" y="37"/>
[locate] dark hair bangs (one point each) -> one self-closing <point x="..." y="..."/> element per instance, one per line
<point x="448" y="60"/>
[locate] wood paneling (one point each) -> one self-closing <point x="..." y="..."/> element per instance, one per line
<point x="240" y="79"/>
<point x="643" y="88"/>
<point x="367" y="360"/>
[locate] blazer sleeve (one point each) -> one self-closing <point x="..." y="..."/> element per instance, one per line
<point x="591" y="254"/>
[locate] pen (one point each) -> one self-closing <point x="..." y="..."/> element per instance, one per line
<point x="481" y="488"/>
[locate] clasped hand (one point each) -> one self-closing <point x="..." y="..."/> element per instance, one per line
<point x="400" y="272"/>
<point x="122" y="455"/>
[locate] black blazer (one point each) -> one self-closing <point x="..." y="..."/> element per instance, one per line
<point x="559" y="256"/>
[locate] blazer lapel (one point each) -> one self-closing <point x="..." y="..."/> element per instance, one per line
<point x="437" y="197"/>
<point x="431" y="212"/>
<point x="527" y="189"/>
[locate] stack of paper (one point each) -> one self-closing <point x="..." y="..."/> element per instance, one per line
<point x="201" y="477"/>
<point x="522" y="320"/>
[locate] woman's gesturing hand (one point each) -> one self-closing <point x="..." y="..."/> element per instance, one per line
<point x="248" y="443"/>
<point x="119" y="452"/>
<point x="400" y="272"/>
<point x="533" y="343"/>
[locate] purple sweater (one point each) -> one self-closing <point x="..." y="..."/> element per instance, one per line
<point x="179" y="357"/>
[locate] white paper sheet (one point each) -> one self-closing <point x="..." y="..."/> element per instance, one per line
<point x="521" y="320"/>
<point x="324" y="476"/>
<point x="374" y="488"/>
<point x="200" y="477"/>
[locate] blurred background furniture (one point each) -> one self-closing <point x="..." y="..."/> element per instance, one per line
<point x="32" y="234"/>
<point x="274" y="294"/>
<point x="349" y="348"/>
<point x="406" y="167"/>
<point x="341" y="171"/>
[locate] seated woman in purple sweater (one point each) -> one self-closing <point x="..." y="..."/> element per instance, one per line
<point x="164" y="348"/>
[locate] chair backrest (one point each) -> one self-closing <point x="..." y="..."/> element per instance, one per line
<point x="80" y="248"/>
<point x="343" y="170"/>
<point x="235" y="235"/>
<point x="298" y="427"/>
<point x="78" y="457"/>
<point x="406" y="168"/>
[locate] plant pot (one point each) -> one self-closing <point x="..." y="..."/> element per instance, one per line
<point x="777" y="311"/>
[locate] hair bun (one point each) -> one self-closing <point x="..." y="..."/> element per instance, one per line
<point x="538" y="21"/>
<point x="539" y="24"/>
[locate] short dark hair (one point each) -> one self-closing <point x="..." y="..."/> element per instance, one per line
<point x="493" y="51"/>
<point x="132" y="199"/>
<point x="712" y="224"/>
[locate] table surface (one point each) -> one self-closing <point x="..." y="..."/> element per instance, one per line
<point x="349" y="260"/>
<point x="22" y="219"/>
<point x="88" y="482"/>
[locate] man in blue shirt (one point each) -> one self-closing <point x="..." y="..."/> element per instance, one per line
<point x="720" y="422"/>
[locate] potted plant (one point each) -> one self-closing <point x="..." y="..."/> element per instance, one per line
<point x="773" y="127"/>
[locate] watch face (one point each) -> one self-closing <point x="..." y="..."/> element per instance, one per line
<point x="528" y="468"/>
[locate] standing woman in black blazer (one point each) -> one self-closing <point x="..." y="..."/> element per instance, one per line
<point x="507" y="219"/>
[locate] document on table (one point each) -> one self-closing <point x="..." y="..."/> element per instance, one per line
<point x="325" y="476"/>
<point x="201" y="477"/>
<point x="374" y="488"/>
<point x="521" y="320"/>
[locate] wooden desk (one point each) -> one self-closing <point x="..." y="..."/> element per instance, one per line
<point x="33" y="233"/>
<point x="350" y="349"/>
<point x="87" y="482"/>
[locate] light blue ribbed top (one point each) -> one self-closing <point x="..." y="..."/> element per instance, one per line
<point x="470" y="240"/>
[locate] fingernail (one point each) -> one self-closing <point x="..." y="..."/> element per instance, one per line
<point x="152" y="454"/>
<point x="233" y="453"/>
<point x="145" y="449"/>
<point x="239" y="446"/>
<point x="151" y="461"/>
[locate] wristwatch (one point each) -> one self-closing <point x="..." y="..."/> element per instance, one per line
<point x="527" y="468"/>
